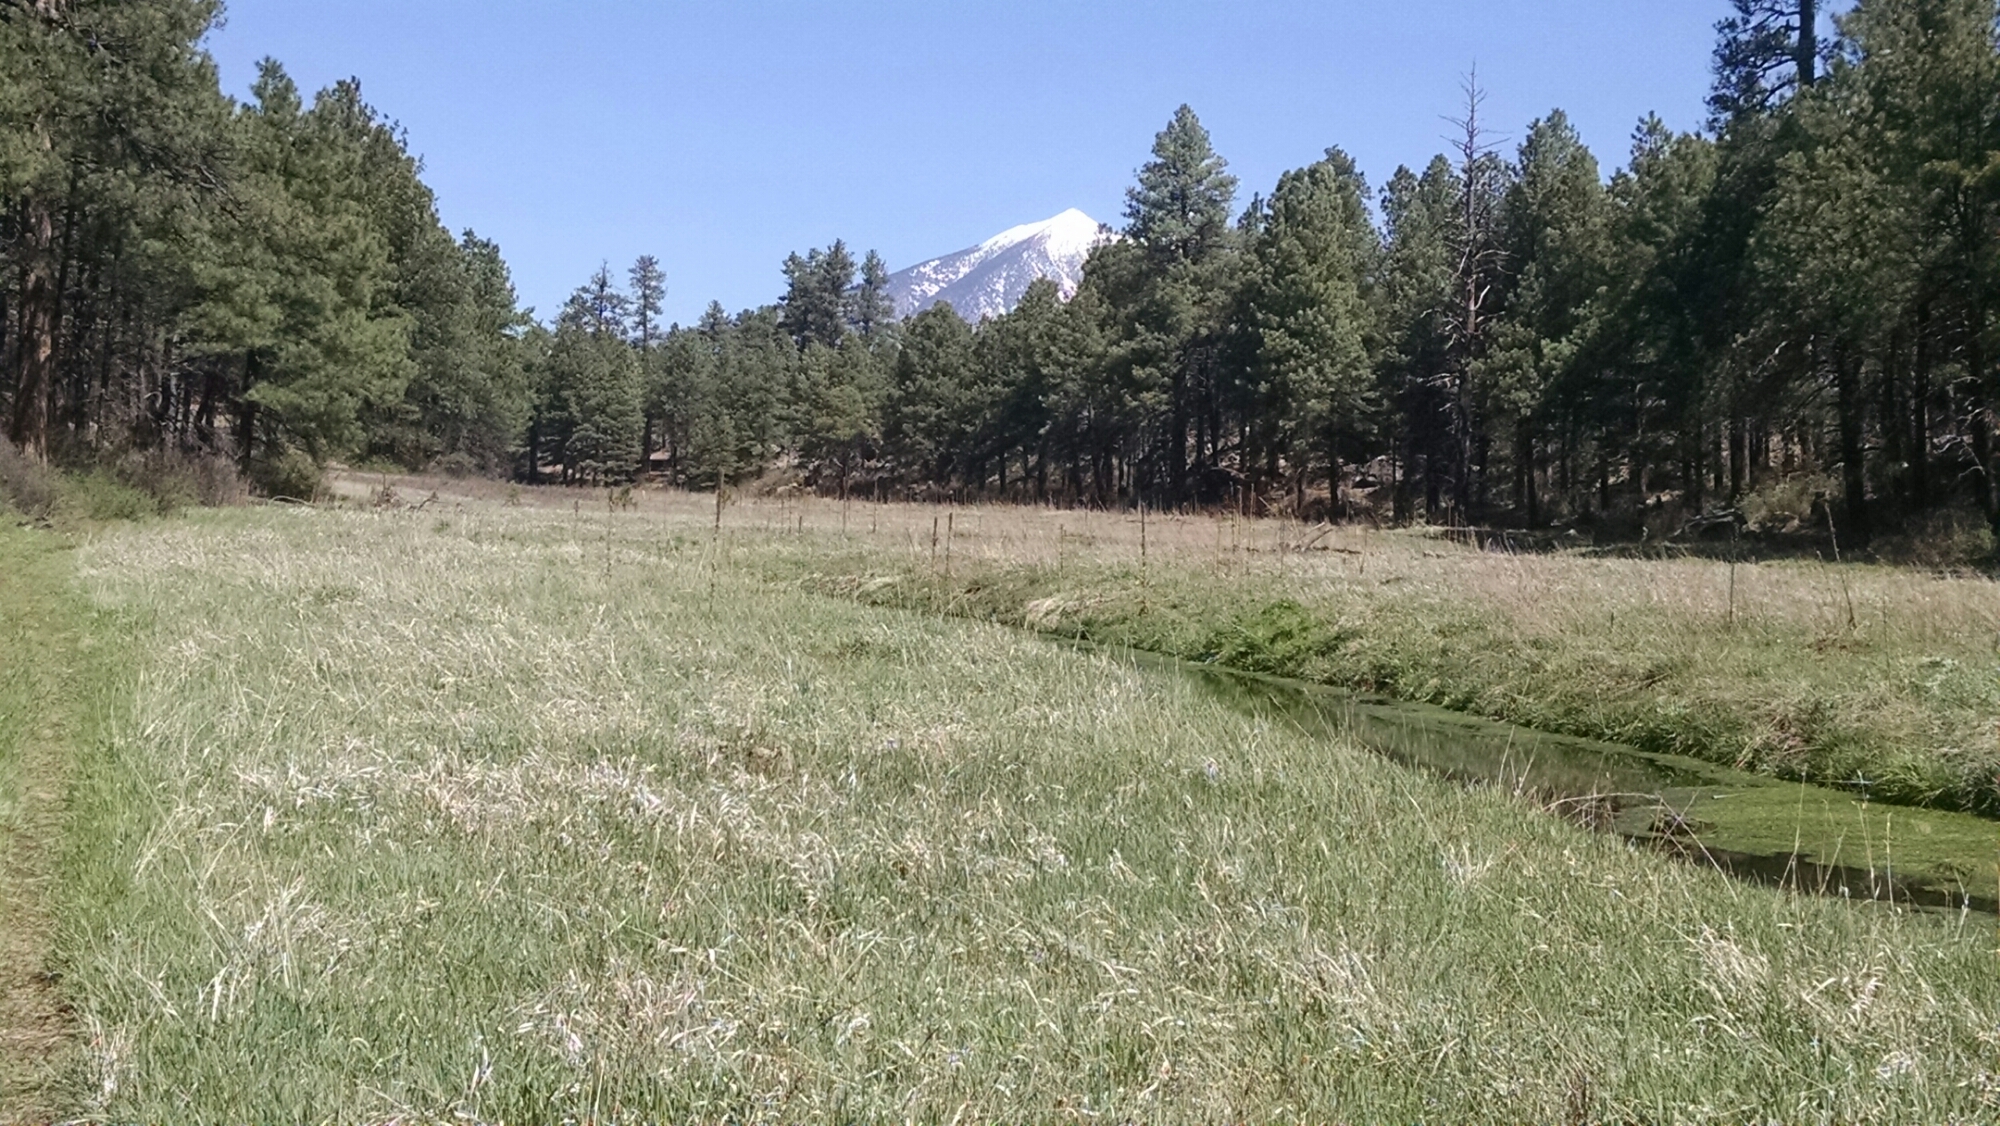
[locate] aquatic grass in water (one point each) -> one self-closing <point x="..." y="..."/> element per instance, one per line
<point x="429" y="815"/>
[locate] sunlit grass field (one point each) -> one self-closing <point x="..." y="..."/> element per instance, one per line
<point x="1880" y="679"/>
<point x="528" y="813"/>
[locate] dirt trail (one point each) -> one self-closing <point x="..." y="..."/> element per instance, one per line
<point x="43" y="659"/>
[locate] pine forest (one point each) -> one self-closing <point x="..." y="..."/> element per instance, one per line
<point x="1804" y="294"/>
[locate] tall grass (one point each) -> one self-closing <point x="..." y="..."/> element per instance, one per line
<point x="535" y="813"/>
<point x="1882" y="679"/>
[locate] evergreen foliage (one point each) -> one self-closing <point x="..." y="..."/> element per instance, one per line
<point x="1804" y="295"/>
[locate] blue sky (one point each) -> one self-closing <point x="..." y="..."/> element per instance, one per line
<point x="718" y="136"/>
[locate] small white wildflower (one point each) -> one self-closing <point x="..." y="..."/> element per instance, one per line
<point x="1895" y="1065"/>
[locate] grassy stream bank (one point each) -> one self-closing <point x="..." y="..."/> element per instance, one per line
<point x="1882" y="682"/>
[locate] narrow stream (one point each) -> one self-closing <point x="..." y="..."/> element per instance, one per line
<point x="1790" y="835"/>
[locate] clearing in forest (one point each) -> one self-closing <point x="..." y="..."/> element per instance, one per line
<point x="535" y="812"/>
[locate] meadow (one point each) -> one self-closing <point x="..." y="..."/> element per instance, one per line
<point x="514" y="806"/>
<point x="1881" y="679"/>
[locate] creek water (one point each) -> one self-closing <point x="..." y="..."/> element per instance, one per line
<point x="1802" y="838"/>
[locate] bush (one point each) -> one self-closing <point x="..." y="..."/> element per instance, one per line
<point x="292" y="475"/>
<point x="176" y="479"/>
<point x="33" y="489"/>
<point x="1952" y="539"/>
<point x="182" y="479"/>
<point x="458" y="465"/>
<point x="128" y="487"/>
<point x="1796" y="504"/>
<point x="98" y="496"/>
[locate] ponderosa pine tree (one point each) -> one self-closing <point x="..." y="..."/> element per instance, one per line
<point x="465" y="407"/>
<point x="1766" y="52"/>
<point x="593" y="387"/>
<point x="869" y="309"/>
<point x="840" y="393"/>
<point x="928" y="419"/>
<point x="1417" y="289"/>
<point x="1168" y="289"/>
<point x="1555" y="242"/>
<point x="1314" y="322"/>
<point x="1180" y="208"/>
<point x="309" y="284"/>
<point x="815" y="306"/>
<point x="115" y="133"/>
<point x="648" y="292"/>
<point x="1479" y="258"/>
<point x="1882" y="232"/>
<point x="1641" y="391"/>
<point x="1023" y="356"/>
<point x="647" y="295"/>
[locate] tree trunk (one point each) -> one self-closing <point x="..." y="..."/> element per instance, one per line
<point x="246" y="432"/>
<point x="1920" y="408"/>
<point x="39" y="311"/>
<point x="1805" y="53"/>
<point x="1891" y="410"/>
<point x="1981" y="386"/>
<point x="1525" y="500"/>
<point x="246" y="416"/>
<point x="1853" y="469"/>
<point x="1177" y="426"/>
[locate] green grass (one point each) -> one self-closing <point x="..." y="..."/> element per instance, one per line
<point x="60" y="672"/>
<point x="507" y="814"/>
<point x="1879" y="679"/>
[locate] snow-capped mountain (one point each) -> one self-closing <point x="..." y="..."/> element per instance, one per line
<point x="989" y="279"/>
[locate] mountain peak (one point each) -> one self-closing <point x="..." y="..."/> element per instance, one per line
<point x="988" y="280"/>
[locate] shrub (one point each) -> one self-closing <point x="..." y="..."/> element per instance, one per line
<point x="458" y="465"/>
<point x="1952" y="539"/>
<point x="292" y="475"/>
<point x="98" y="496"/>
<point x="32" y="488"/>
<point x="177" y="479"/>
<point x="1792" y="505"/>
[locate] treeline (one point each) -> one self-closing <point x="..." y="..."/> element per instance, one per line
<point x="1805" y="290"/>
<point x="264" y="281"/>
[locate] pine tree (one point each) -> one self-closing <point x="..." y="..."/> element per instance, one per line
<point x="1926" y="99"/>
<point x="1179" y="209"/>
<point x="869" y="309"/>
<point x="599" y="307"/>
<point x="1479" y="257"/>
<point x="1556" y="249"/>
<point x="1169" y="295"/>
<point x="594" y="386"/>
<point x="926" y="414"/>
<point x="841" y="393"/>
<point x="1765" y="53"/>
<point x="816" y="304"/>
<point x="1313" y="320"/>
<point x="304" y="298"/>
<point x="113" y="128"/>
<point x="1417" y="293"/>
<point x="648" y="295"/>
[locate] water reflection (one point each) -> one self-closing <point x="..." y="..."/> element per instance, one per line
<point x="1803" y="838"/>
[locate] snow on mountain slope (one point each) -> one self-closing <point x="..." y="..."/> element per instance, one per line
<point x="989" y="279"/>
